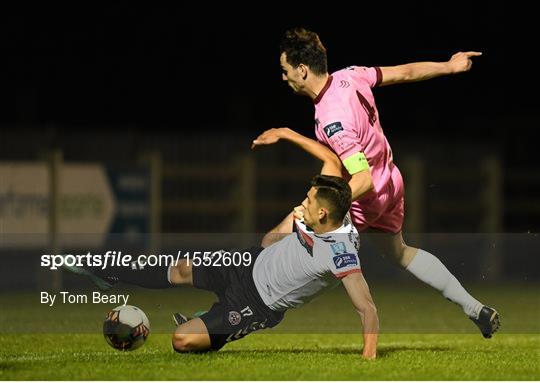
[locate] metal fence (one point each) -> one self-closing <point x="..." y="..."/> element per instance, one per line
<point x="217" y="185"/>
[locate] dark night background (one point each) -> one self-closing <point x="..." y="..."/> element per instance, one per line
<point x="81" y="77"/>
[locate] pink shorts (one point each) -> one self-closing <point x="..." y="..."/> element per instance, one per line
<point x="384" y="210"/>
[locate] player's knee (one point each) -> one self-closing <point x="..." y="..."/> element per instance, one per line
<point x="394" y="254"/>
<point x="184" y="343"/>
<point x="401" y="254"/>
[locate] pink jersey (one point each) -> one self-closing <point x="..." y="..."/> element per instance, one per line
<point x="347" y="121"/>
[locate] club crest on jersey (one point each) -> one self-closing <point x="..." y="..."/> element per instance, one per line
<point x="338" y="248"/>
<point x="234" y="318"/>
<point x="344" y="260"/>
<point x="333" y="128"/>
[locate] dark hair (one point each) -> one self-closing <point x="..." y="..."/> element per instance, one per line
<point x="336" y="192"/>
<point x="304" y="47"/>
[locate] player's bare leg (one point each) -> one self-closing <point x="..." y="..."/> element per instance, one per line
<point x="392" y="247"/>
<point x="429" y="269"/>
<point x="191" y="336"/>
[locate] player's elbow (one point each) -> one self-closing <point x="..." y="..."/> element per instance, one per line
<point x="267" y="240"/>
<point x="406" y="74"/>
<point x="397" y="74"/>
<point x="331" y="163"/>
<point x="334" y="162"/>
<point x="402" y="73"/>
<point x="271" y="238"/>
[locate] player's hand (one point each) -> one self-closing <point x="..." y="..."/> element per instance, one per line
<point x="269" y="137"/>
<point x="462" y="62"/>
<point x="298" y="212"/>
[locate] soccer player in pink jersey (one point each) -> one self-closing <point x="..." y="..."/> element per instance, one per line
<point x="347" y="121"/>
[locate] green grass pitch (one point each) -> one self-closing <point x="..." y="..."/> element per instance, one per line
<point x="422" y="338"/>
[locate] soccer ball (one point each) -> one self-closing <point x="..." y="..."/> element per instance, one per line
<point x="126" y="328"/>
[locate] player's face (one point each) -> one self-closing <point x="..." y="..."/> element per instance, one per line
<point x="312" y="209"/>
<point x="291" y="75"/>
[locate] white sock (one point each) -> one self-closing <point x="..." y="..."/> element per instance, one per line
<point x="430" y="270"/>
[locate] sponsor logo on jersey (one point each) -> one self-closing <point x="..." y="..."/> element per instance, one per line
<point x="333" y="128"/>
<point x="344" y="260"/>
<point x="338" y="248"/>
<point x="234" y="318"/>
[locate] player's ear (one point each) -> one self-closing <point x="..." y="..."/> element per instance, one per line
<point x="303" y="71"/>
<point x="323" y="213"/>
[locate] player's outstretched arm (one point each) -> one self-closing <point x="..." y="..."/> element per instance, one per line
<point x="331" y="163"/>
<point x="459" y="62"/>
<point x="358" y="291"/>
<point x="283" y="229"/>
<point x="361" y="183"/>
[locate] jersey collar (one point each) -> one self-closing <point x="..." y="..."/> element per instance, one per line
<point x="323" y="90"/>
<point x="340" y="230"/>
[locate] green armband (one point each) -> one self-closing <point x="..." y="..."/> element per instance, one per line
<point x="356" y="163"/>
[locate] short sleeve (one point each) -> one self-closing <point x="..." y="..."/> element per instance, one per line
<point x="341" y="137"/>
<point x="344" y="141"/>
<point x="372" y="75"/>
<point x="343" y="259"/>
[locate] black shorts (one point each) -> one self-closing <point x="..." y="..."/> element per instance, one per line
<point x="240" y="309"/>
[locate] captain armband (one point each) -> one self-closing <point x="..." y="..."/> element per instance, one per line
<point x="356" y="163"/>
